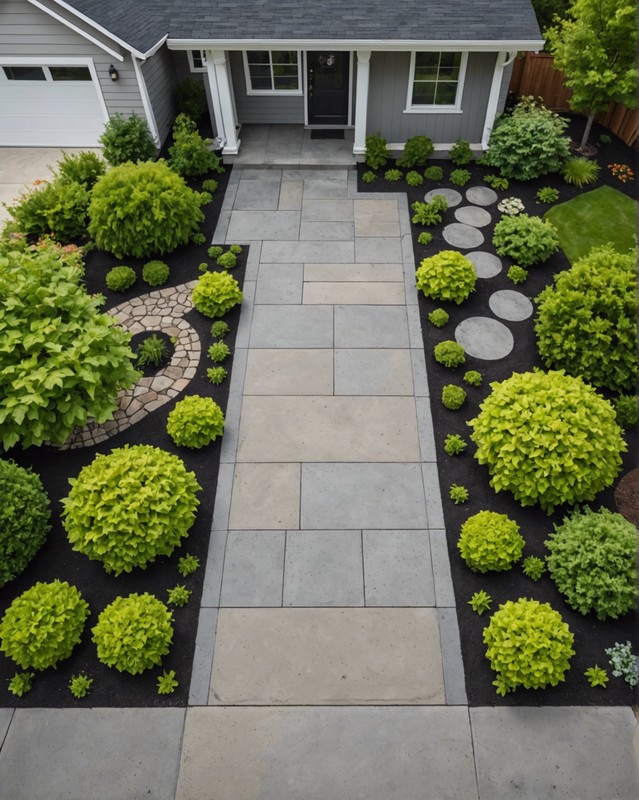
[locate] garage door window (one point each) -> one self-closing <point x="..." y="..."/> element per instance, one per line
<point x="24" y="73"/>
<point x="70" y="73"/>
<point x="47" y="73"/>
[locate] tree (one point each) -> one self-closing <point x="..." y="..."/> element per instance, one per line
<point x="547" y="10"/>
<point x="595" y="49"/>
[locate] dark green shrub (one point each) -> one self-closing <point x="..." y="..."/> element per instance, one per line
<point x="490" y="541"/>
<point x="517" y="274"/>
<point x="449" y="353"/>
<point x="199" y="238"/>
<point x="236" y="249"/>
<point x="59" y="207"/>
<point x="460" y="153"/>
<point x="438" y="317"/>
<point x="205" y="199"/>
<point x="497" y="182"/>
<point x="189" y="155"/>
<point x="127" y="139"/>
<point x="527" y="240"/>
<point x="191" y="97"/>
<point x="627" y="411"/>
<point x="216" y="293"/>
<point x="195" y="422"/>
<point x="547" y="195"/>
<point x="417" y="151"/>
<point x="24" y="518"/>
<point x="152" y="351"/>
<point x="446" y="276"/>
<point x="429" y="213"/>
<point x="454" y="444"/>
<point x="215" y="251"/>
<point x="434" y="173"/>
<point x="218" y="351"/>
<point x="528" y="644"/>
<point x="84" y="168"/>
<point x="425" y="238"/>
<point x="393" y="175"/>
<point x="43" y="625"/>
<point x="133" y="633"/>
<point x="376" y="151"/>
<point x="216" y="375"/>
<point x="579" y="171"/>
<point x="473" y="378"/>
<point x="587" y="320"/>
<point x="414" y="178"/>
<point x="155" y="273"/>
<point x="219" y="329"/>
<point x="209" y="185"/>
<point x="369" y="177"/>
<point x="227" y="260"/>
<point x="119" y="279"/>
<point x="548" y="438"/>
<point x="453" y="397"/>
<point x="130" y="506"/>
<point x="593" y="562"/>
<point x="459" y="177"/>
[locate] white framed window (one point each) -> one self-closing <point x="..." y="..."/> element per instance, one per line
<point x="436" y="81"/>
<point x="197" y="60"/>
<point x="43" y="73"/>
<point x="273" y="71"/>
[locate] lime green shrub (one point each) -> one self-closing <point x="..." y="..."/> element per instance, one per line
<point x="449" y="353"/>
<point x="490" y="541"/>
<point x="216" y="375"/>
<point x="480" y="601"/>
<point x="425" y="238"/>
<point x="218" y="351"/>
<point x="58" y="206"/>
<point x="548" y="438"/>
<point x="593" y="562"/>
<point x="517" y="274"/>
<point x="392" y="175"/>
<point x="534" y="567"/>
<point x="473" y="378"/>
<point x="130" y="506"/>
<point x="189" y="155"/>
<point x="119" y="279"/>
<point x="458" y="494"/>
<point x="527" y="240"/>
<point x="21" y="683"/>
<point x="453" y="397"/>
<point x="84" y="168"/>
<point x="80" y="685"/>
<point x="43" y="625"/>
<point x="216" y="293"/>
<point x="195" y="422"/>
<point x="459" y="177"/>
<point x="155" y="273"/>
<point x="429" y="213"/>
<point x="219" y="329"/>
<point x="414" y="178"/>
<point x="127" y="139"/>
<point x="227" y="260"/>
<point x="528" y="644"/>
<point x="152" y="351"/>
<point x="438" y="317"/>
<point x="167" y="682"/>
<point x="454" y="444"/>
<point x="580" y="171"/>
<point x="448" y="275"/>
<point x="547" y="195"/>
<point x="369" y="176"/>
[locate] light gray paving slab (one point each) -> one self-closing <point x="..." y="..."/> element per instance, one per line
<point x="253" y="569"/>
<point x="397" y="568"/>
<point x="382" y="753"/>
<point x="473" y="215"/>
<point x="214" y="568"/>
<point x="371" y="496"/>
<point x="383" y="250"/>
<point x="462" y="236"/>
<point x="370" y="326"/>
<point x="487" y="265"/>
<point x="6" y="715"/>
<point x="454" y="679"/>
<point x="433" y="495"/>
<point x="319" y="210"/>
<point x="257" y="194"/>
<point x="511" y="305"/>
<point x="425" y="429"/>
<point x="323" y="568"/>
<point x="292" y="326"/>
<point x="264" y="225"/>
<point x="311" y="230"/>
<point x="223" y="494"/>
<point x="227" y="207"/>
<point x="444" y="592"/>
<point x="378" y="218"/>
<point x="404" y="216"/>
<point x="483" y="337"/>
<point x="237" y="381"/>
<point x="246" y="315"/>
<point x="565" y="753"/>
<point x="253" y="260"/>
<point x="481" y="195"/>
<point x="93" y="754"/>
<point x="303" y="252"/>
<point x="375" y="293"/>
<point x="324" y="189"/>
<point x="365" y="273"/>
<point x="279" y="284"/>
<point x="259" y="174"/>
<point x="415" y="338"/>
<point x="373" y="371"/>
<point x="338" y="175"/>
<point x="420" y="376"/>
<point x="287" y="372"/>
<point x="265" y="497"/>
<point x="453" y="197"/>
<point x="203" y="657"/>
<point x="291" y="196"/>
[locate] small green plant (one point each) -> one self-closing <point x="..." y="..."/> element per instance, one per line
<point x="604" y="139"/>
<point x="416" y="152"/>
<point x="459" y="177"/>
<point x="533" y="567"/>
<point x="210" y="185"/>
<point x="215" y="251"/>
<point x="84" y="168"/>
<point x="517" y="274"/>
<point x="425" y="238"/>
<point x="393" y="175"/>
<point x="497" y="182"/>
<point x="627" y="411"/>
<point x="80" y="685"/>
<point x="596" y="676"/>
<point x="188" y="564"/>
<point x="490" y="541"/>
<point x="203" y="267"/>
<point x="199" y="238"/>
<point x="190" y="155"/>
<point x="152" y="351"/>
<point x="178" y="596"/>
<point x="218" y="351"/>
<point x="454" y="444"/>
<point x="155" y="273"/>
<point x="453" y="397"/>
<point x="511" y="206"/>
<point x="449" y="353"/>
<point x="448" y="275"/>
<point x="216" y="293"/>
<point x="473" y="378"/>
<point x="195" y="422"/>
<point x="527" y="240"/>
<point x="547" y="195"/>
<point x="227" y="260"/>
<point x="167" y="683"/>
<point x="119" y="279"/>
<point x="458" y="494"/>
<point x="236" y="249"/>
<point x="434" y="173"/>
<point x="205" y="199"/>
<point x="623" y="662"/>
<point x="21" y="683"/>
<point x="127" y="139"/>
<point x="480" y="601"/>
<point x="438" y="317"/>
<point x="216" y="375"/>
<point x="580" y="171"/>
<point x="429" y="213"/>
<point x="369" y="176"/>
<point x="461" y="153"/>
<point x="414" y="178"/>
<point x="376" y="151"/>
<point x="219" y="329"/>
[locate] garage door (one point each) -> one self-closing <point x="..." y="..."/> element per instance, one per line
<point x="49" y="106"/>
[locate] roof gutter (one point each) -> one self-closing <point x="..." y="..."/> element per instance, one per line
<point x="351" y="44"/>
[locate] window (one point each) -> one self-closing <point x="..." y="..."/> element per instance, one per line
<point x="437" y="81"/>
<point x="24" y="73"/>
<point x="70" y="73"/>
<point x="197" y="60"/>
<point x="272" y="71"/>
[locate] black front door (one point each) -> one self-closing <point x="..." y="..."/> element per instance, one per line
<point x="327" y="88"/>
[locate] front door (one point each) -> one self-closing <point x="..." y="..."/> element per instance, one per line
<point x="327" y="87"/>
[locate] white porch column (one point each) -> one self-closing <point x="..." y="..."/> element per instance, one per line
<point x="503" y="59"/>
<point x="361" y="101"/>
<point x="222" y="97"/>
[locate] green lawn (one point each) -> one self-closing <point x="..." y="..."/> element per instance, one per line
<point x="594" y="218"/>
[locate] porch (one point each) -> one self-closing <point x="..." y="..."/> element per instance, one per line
<point x="290" y="145"/>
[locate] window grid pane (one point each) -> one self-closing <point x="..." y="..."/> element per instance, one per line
<point x="24" y="73"/>
<point x="70" y="73"/>
<point x="436" y="78"/>
<point x="273" y="70"/>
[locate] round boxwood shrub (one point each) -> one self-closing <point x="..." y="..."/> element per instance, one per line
<point x="119" y="279"/>
<point x="43" y="625"/>
<point x="130" y="506"/>
<point x="24" y="518"/>
<point x="195" y="422"/>
<point x="155" y="273"/>
<point x="453" y="397"/>
<point x="593" y="562"/>
<point x="446" y="276"/>
<point x="133" y="633"/>
<point x="548" y="438"/>
<point x="527" y="240"/>
<point x="528" y="644"/>
<point x="490" y="541"/>
<point x="587" y="320"/>
<point x="215" y="293"/>
<point x="140" y="209"/>
<point x="449" y="353"/>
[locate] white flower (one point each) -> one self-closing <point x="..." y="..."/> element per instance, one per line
<point x="510" y="206"/>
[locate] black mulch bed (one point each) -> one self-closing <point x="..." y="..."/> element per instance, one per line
<point x="56" y="559"/>
<point x="591" y="635"/>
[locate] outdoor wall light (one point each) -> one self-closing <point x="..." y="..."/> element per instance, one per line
<point x="113" y="73"/>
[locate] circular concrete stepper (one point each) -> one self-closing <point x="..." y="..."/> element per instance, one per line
<point x="486" y="265"/>
<point x="481" y="195"/>
<point x="511" y="305"/>
<point x="483" y="337"/>
<point x="463" y="236"/>
<point x="453" y="198"/>
<point x="473" y="215"/>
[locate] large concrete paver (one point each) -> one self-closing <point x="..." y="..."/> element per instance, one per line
<point x="371" y="326"/>
<point x="398" y="569"/>
<point x="265" y="497"/>
<point x="253" y="569"/>
<point x="291" y="326"/>
<point x="389" y="273"/>
<point x="354" y="292"/>
<point x="370" y="371"/>
<point x="286" y="372"/>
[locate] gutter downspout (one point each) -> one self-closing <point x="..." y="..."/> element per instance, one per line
<point x="503" y="60"/>
<point x="146" y="101"/>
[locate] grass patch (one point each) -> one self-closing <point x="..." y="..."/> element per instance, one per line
<point x="594" y="218"/>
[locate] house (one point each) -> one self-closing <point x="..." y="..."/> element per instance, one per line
<point x="401" y="68"/>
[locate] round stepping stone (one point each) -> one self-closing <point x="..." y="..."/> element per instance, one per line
<point x="464" y="236"/>
<point x="486" y="265"/>
<point x="511" y="305"/>
<point x="481" y="195"/>
<point x="473" y="215"/>
<point x="485" y="338"/>
<point x="453" y="197"/>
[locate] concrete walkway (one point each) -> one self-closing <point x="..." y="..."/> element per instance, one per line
<point x="327" y="663"/>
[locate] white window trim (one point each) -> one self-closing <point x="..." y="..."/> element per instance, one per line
<point x="274" y="92"/>
<point x="454" y="108"/>
<point x="192" y="67"/>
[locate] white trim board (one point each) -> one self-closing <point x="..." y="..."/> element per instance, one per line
<point x="485" y="46"/>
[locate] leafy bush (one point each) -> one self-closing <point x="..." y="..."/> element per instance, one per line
<point x="490" y="541"/>
<point x="209" y="185"/>
<point x="624" y="663"/>
<point x="429" y="213"/>
<point x="195" y="422"/>
<point x="127" y="139"/>
<point x="497" y="182"/>
<point x="216" y="293"/>
<point x="534" y="567"/>
<point x="60" y="206"/>
<point x="235" y="249"/>
<point x="119" y="279"/>
<point x="627" y="411"/>
<point x="62" y="361"/>
<point x="155" y="273"/>
<point x="24" y="518"/>
<point x="580" y="171"/>
<point x="216" y="375"/>
<point x="84" y="168"/>
<point x="21" y="683"/>
<point x="191" y="97"/>
<point x="167" y="683"/>
<point x="434" y="173"/>
<point x="480" y="601"/>
<point x="449" y="353"/>
<point x="592" y="561"/>
<point x="473" y="377"/>
<point x="152" y="351"/>
<point x="547" y="195"/>
<point x="517" y="274"/>
<point x="425" y="238"/>
<point x="438" y="317"/>
<point x="227" y="260"/>
<point x="369" y="177"/>
<point x="528" y="644"/>
<point x="416" y="152"/>
<point x="199" y="238"/>
<point x="218" y="351"/>
<point x="527" y="240"/>
<point x="529" y="142"/>
<point x="215" y="250"/>
<point x="80" y="685"/>
<point x="459" y="177"/>
<point x="460" y="153"/>
<point x="205" y="199"/>
<point x="414" y="178"/>
<point x="392" y="175"/>
<point x="376" y="151"/>
<point x="178" y="596"/>
<point x="133" y="633"/>
<point x="548" y="438"/>
<point x="453" y="397"/>
<point x="458" y="494"/>
<point x="448" y="275"/>
<point x="140" y="209"/>
<point x="454" y="444"/>
<point x="189" y="155"/>
<point x="596" y="676"/>
<point x="188" y="564"/>
<point x="587" y="320"/>
<point x="219" y="329"/>
<point x="43" y="625"/>
<point x="130" y="506"/>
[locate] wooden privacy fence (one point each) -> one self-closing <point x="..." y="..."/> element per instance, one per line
<point x="534" y="74"/>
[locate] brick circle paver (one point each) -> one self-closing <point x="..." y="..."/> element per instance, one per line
<point x="511" y="305"/>
<point x="481" y="195"/>
<point x="453" y="197"/>
<point x="483" y="337"/>
<point x="473" y="215"/>
<point x="463" y="236"/>
<point x="486" y="265"/>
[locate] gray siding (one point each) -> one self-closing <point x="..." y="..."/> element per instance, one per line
<point x="505" y="83"/>
<point x="387" y="93"/>
<point x="159" y="76"/>
<point x="262" y="109"/>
